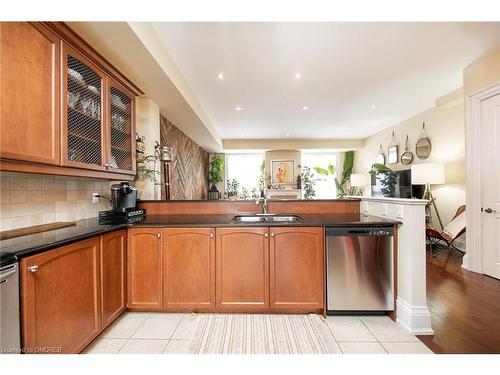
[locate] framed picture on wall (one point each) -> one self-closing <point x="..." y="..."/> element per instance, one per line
<point x="282" y="171"/>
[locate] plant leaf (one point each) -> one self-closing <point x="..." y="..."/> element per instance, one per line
<point x="322" y="171"/>
<point x="331" y="168"/>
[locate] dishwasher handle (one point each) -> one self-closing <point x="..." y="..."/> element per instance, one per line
<point x="360" y="231"/>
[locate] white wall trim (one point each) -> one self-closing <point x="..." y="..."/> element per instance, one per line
<point x="473" y="259"/>
<point x="415" y="319"/>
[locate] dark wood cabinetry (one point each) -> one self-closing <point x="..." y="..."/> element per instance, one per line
<point x="56" y="88"/>
<point x="144" y="268"/>
<point x="188" y="269"/>
<point x="297" y="268"/>
<point x="29" y="94"/>
<point x="113" y="257"/>
<point x="61" y="298"/>
<point x="242" y="269"/>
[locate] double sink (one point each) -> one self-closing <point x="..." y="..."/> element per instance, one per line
<point x="266" y="218"/>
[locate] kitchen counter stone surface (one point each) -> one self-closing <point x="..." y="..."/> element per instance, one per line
<point x="39" y="242"/>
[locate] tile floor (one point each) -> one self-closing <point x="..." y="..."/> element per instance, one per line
<point x="157" y="333"/>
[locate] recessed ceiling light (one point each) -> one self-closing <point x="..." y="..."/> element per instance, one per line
<point x="297" y="75"/>
<point x="238" y="108"/>
<point x="287" y="134"/>
<point x="220" y="76"/>
<point x="305" y="108"/>
<point x="373" y="107"/>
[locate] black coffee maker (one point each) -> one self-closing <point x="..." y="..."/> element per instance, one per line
<point x="123" y="197"/>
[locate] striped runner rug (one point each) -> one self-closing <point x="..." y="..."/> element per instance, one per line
<point x="262" y="334"/>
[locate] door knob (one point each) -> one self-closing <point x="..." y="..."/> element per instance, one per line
<point x="489" y="210"/>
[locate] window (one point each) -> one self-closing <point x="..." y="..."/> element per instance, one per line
<point x="245" y="168"/>
<point x="324" y="185"/>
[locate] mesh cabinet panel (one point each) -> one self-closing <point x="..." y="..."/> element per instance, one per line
<point x="121" y="135"/>
<point x="84" y="113"/>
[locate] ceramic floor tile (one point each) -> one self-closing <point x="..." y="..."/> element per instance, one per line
<point x="125" y="326"/>
<point x="158" y="326"/>
<point x="178" y="347"/>
<point x="384" y="329"/>
<point x="406" y="348"/>
<point x="362" y="348"/>
<point x="105" y="346"/>
<point x="134" y="346"/>
<point x="186" y="328"/>
<point x="349" y="328"/>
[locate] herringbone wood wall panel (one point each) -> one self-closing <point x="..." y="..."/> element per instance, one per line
<point x="189" y="172"/>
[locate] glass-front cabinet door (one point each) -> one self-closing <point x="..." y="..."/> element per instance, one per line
<point x="83" y="112"/>
<point x="121" y="153"/>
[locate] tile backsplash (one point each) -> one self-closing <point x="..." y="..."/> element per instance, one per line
<point x="31" y="199"/>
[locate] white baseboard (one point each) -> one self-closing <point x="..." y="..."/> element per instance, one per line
<point x="415" y="319"/>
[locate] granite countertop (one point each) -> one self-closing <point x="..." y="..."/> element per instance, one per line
<point x="226" y="220"/>
<point x="39" y="242"/>
<point x="36" y="243"/>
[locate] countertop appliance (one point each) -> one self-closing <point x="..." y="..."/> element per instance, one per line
<point x="123" y="196"/>
<point x="10" y="338"/>
<point x="360" y="269"/>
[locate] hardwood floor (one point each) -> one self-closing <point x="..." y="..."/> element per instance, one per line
<point x="465" y="308"/>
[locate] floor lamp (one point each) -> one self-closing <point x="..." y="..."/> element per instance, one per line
<point x="428" y="174"/>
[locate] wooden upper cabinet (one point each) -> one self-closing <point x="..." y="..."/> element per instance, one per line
<point x="113" y="255"/>
<point x="83" y="112"/>
<point x="144" y="268"/>
<point x="29" y="93"/>
<point x="189" y="269"/>
<point x="296" y="268"/>
<point x="60" y="296"/>
<point x="242" y="269"/>
<point x="121" y="129"/>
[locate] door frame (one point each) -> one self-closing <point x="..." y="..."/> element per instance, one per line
<point x="473" y="259"/>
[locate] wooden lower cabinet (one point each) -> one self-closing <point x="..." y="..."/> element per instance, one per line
<point x="144" y="268"/>
<point x="297" y="268"/>
<point x="61" y="298"/>
<point x="113" y="252"/>
<point x="188" y="269"/>
<point x="242" y="269"/>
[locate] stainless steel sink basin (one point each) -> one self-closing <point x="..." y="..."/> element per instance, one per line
<point x="269" y="218"/>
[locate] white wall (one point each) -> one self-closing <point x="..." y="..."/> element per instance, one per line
<point x="445" y="124"/>
<point x="148" y="125"/>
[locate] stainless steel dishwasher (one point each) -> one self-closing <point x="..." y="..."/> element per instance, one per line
<point x="9" y="305"/>
<point x="360" y="269"/>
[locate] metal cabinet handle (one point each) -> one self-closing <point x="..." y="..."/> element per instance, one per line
<point x="272" y="234"/>
<point x="211" y="235"/>
<point x="489" y="210"/>
<point x="265" y="235"/>
<point x="158" y="235"/>
<point x="33" y="268"/>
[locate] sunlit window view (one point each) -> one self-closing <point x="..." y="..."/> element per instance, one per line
<point x="245" y="169"/>
<point x="324" y="186"/>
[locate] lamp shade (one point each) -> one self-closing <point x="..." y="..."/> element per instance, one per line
<point x="427" y="173"/>
<point x="359" y="179"/>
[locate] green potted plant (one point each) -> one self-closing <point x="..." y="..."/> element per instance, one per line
<point x="340" y="183"/>
<point x="215" y="169"/>
<point x="388" y="179"/>
<point x="232" y="188"/>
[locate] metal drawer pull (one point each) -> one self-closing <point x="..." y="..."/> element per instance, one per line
<point x="272" y="234"/>
<point x="158" y="235"/>
<point x="211" y="235"/>
<point x="33" y="268"/>
<point x="265" y="235"/>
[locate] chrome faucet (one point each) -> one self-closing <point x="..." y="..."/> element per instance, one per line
<point x="263" y="203"/>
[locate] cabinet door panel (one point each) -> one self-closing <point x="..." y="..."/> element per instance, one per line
<point x="113" y="275"/>
<point x="83" y="115"/>
<point x="29" y="95"/>
<point x="61" y="303"/>
<point x="144" y="268"/>
<point x="296" y="268"/>
<point x="189" y="269"/>
<point x="242" y="269"/>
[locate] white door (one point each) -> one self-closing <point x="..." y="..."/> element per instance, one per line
<point x="490" y="185"/>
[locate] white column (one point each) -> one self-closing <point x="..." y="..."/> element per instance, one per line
<point x="411" y="304"/>
<point x="148" y="125"/>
